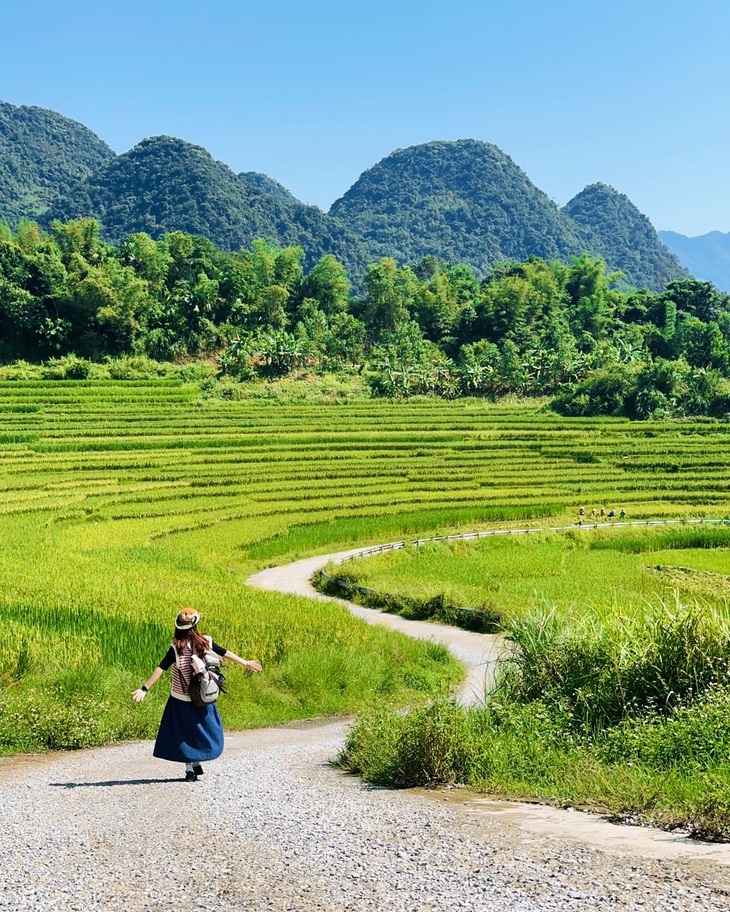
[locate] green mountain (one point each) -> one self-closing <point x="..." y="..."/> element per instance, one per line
<point x="42" y="154"/>
<point x="166" y="184"/>
<point x="707" y="256"/>
<point x="462" y="201"/>
<point x="613" y="227"/>
<point x="268" y="185"/>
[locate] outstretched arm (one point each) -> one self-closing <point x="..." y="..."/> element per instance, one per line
<point x="247" y="663"/>
<point x="141" y="693"/>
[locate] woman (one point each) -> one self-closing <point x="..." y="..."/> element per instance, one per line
<point x="188" y="733"/>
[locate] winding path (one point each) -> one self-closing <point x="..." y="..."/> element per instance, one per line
<point x="272" y="826"/>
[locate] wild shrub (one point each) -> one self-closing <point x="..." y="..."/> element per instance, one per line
<point x="601" y="673"/>
<point x="428" y="746"/>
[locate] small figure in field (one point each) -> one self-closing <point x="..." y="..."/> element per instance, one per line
<point x="612" y="514"/>
<point x="603" y="512"/>
<point x="581" y="511"/>
<point x="594" y="513"/>
<point x="622" y="514"/>
<point x="188" y="733"/>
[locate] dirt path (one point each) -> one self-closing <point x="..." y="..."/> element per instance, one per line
<point x="273" y="826"/>
<point x="476" y="651"/>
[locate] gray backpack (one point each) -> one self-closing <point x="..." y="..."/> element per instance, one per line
<point x="206" y="679"/>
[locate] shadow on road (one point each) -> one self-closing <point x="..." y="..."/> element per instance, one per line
<point x="110" y="782"/>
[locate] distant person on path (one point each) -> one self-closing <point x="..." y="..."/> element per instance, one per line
<point x="612" y="514"/>
<point x="188" y="733"/>
<point x="622" y="514"/>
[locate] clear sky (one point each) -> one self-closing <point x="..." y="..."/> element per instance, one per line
<point x="634" y="94"/>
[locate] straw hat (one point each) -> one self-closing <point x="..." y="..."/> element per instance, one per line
<point x="186" y="619"/>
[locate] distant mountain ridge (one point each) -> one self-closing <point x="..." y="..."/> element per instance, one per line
<point x="461" y="201"/>
<point x="707" y="256"/>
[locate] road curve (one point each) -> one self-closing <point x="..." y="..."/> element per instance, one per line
<point x="272" y="827"/>
<point x="478" y="652"/>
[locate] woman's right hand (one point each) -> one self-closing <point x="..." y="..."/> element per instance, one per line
<point x="139" y="695"/>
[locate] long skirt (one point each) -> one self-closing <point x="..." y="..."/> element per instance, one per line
<point x="189" y="733"/>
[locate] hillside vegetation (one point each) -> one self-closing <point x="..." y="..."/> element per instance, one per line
<point x="165" y="184"/>
<point x="612" y="227"/>
<point x="42" y="154"/>
<point x="461" y="202"/>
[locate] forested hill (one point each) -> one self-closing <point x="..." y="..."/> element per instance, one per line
<point x="615" y="229"/>
<point x="707" y="257"/>
<point x="165" y="184"/>
<point x="42" y="154"/>
<point x="459" y="201"/>
<point x="269" y="185"/>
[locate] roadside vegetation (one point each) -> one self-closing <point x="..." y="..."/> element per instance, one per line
<point x="614" y="693"/>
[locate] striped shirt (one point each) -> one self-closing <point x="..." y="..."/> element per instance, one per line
<point x="180" y="663"/>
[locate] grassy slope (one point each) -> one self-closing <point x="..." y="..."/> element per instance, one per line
<point x="577" y="574"/>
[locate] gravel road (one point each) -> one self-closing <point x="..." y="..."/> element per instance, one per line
<point x="272" y="826"/>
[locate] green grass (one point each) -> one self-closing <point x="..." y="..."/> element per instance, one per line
<point x="578" y="574"/>
<point x="646" y="773"/>
<point x="616" y="694"/>
<point x="123" y="499"/>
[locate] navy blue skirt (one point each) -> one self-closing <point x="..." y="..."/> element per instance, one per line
<point x="189" y="733"/>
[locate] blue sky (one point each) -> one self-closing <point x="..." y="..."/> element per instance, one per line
<point x="630" y="93"/>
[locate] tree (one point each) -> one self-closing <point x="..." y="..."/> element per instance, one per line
<point x="328" y="285"/>
<point x="590" y="298"/>
<point x="79" y="237"/>
<point x="389" y="294"/>
<point x="521" y="300"/>
<point x="697" y="299"/>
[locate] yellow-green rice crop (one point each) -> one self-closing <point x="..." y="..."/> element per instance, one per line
<point x="120" y="501"/>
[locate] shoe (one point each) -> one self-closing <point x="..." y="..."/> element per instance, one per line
<point x="198" y="769"/>
<point x="190" y="776"/>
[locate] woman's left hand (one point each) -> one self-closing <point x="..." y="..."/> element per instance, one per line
<point x="253" y="666"/>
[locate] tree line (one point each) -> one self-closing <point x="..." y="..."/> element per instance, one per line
<point x="534" y="328"/>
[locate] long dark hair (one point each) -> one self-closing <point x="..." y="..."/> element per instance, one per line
<point x="193" y="636"/>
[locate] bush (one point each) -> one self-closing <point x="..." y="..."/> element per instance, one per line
<point x="428" y="746"/>
<point x="67" y="368"/>
<point x="630" y="667"/>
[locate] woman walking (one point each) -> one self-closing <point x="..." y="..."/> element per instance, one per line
<point x="188" y="733"/>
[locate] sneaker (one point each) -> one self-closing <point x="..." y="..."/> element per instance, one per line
<point x="190" y="776"/>
<point x="198" y="769"/>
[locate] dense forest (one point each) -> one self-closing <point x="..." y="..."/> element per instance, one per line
<point x="464" y="201"/>
<point x="42" y="155"/>
<point x="533" y="328"/>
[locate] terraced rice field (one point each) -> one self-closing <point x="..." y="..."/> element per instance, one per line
<point x="121" y="500"/>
